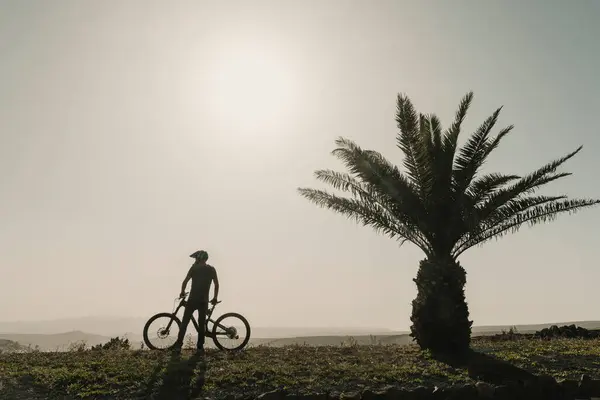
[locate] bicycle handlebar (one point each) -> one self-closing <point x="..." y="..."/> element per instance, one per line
<point x="186" y="293"/>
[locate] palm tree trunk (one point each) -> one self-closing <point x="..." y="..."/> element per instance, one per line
<point x="440" y="314"/>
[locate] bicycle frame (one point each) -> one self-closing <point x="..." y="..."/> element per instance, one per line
<point x="207" y="332"/>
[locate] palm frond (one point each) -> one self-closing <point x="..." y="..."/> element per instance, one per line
<point x="475" y="225"/>
<point x="485" y="186"/>
<point x="436" y="132"/>
<point x="473" y="154"/>
<point x="368" y="214"/>
<point x="386" y="179"/>
<point x="430" y="130"/>
<point x="525" y="185"/>
<point x="466" y="207"/>
<point x="439" y="186"/>
<point x="517" y="206"/>
<point x="532" y="216"/>
<point x="426" y="136"/>
<point x="445" y="158"/>
<point x="492" y="144"/>
<point x="414" y="146"/>
<point x="344" y="182"/>
<point x="451" y="135"/>
<point x="381" y="175"/>
<point x="366" y="192"/>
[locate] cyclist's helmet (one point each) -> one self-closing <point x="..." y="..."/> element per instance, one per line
<point x="200" y="255"/>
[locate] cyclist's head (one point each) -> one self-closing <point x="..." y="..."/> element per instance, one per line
<point x="200" y="255"/>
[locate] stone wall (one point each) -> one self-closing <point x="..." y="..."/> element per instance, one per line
<point x="542" y="388"/>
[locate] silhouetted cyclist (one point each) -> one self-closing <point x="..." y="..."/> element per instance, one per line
<point x="202" y="275"/>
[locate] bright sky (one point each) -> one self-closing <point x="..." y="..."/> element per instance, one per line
<point x="134" y="133"/>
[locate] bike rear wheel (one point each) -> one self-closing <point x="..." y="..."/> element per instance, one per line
<point x="231" y="332"/>
<point x="161" y="331"/>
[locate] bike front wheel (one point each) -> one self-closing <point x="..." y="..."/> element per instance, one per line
<point x="231" y="332"/>
<point x="161" y="331"/>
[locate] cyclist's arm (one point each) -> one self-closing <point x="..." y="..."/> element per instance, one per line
<point x="186" y="280"/>
<point x="216" y="281"/>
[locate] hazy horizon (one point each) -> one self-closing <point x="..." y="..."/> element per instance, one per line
<point x="134" y="133"/>
<point x="99" y="330"/>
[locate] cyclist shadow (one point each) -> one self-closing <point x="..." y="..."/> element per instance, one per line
<point x="180" y="379"/>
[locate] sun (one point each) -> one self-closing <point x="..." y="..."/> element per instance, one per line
<point x="250" y="90"/>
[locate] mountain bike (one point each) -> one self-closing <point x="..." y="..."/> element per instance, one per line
<point x="168" y="326"/>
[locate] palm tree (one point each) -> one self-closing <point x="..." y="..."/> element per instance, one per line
<point x="441" y="204"/>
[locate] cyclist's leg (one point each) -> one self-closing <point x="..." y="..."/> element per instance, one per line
<point x="185" y="320"/>
<point x="202" y="309"/>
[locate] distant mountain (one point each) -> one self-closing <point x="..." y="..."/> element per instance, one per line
<point x="106" y="326"/>
<point x="121" y="326"/>
<point x="56" y="341"/>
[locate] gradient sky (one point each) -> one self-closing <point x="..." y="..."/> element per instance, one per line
<point x="134" y="133"/>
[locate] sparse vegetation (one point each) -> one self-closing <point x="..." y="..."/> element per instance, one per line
<point x="129" y="374"/>
<point x="79" y="346"/>
<point x="115" y="343"/>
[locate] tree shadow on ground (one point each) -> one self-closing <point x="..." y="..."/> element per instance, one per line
<point x="486" y="368"/>
<point x="180" y="379"/>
